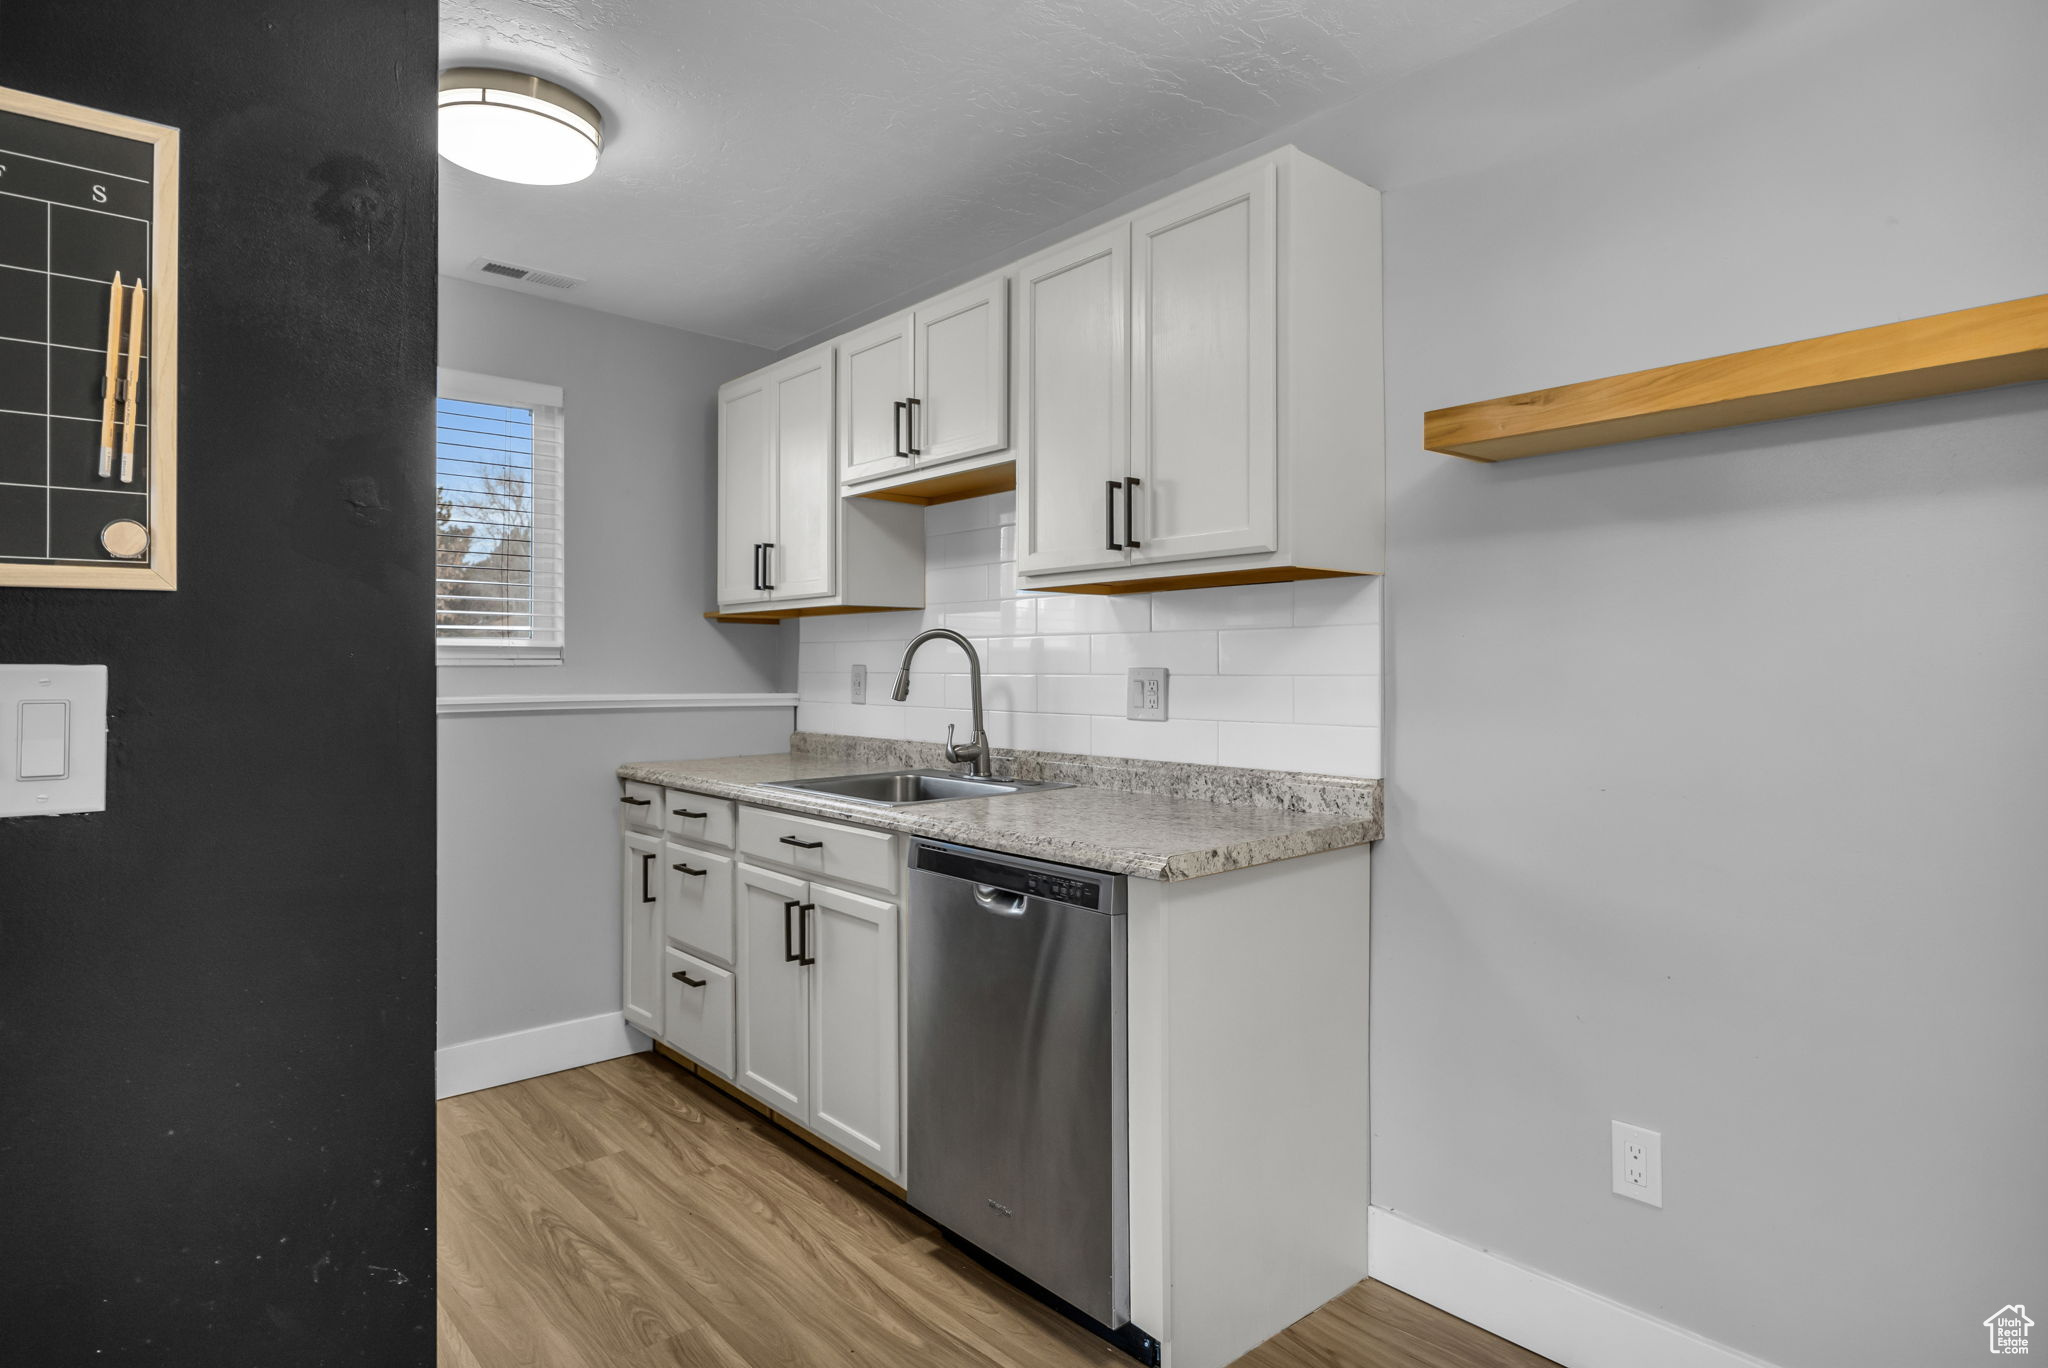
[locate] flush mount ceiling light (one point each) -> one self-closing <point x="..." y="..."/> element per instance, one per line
<point x="517" y="127"/>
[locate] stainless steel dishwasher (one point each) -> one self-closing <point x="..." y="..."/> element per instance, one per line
<point x="1017" y="1127"/>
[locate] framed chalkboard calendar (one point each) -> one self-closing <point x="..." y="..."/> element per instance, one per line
<point x="88" y="347"/>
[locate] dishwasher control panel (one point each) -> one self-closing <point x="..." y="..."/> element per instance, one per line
<point x="1077" y="888"/>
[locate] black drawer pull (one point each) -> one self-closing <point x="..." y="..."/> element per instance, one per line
<point x="682" y="977"/>
<point x="789" y="935"/>
<point x="685" y="869"/>
<point x="685" y="812"/>
<point x="1130" y="521"/>
<point x="637" y="802"/>
<point x="910" y="426"/>
<point x="803" y="935"/>
<point x="646" y="863"/>
<point x="802" y="845"/>
<point x="896" y="431"/>
<point x="1109" y="541"/>
<point x="767" y="560"/>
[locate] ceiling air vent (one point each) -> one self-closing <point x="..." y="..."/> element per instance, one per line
<point x="506" y="270"/>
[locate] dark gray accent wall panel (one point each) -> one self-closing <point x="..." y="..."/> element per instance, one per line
<point x="217" y="997"/>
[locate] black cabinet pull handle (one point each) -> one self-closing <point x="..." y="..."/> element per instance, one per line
<point x="685" y="812"/>
<point x="646" y="863"/>
<point x="1109" y="515"/>
<point x="1130" y="522"/>
<point x="757" y="565"/>
<point x="788" y="934"/>
<point x="896" y="428"/>
<point x="803" y="935"/>
<point x="636" y="802"/>
<point x="685" y="978"/>
<point x="693" y="873"/>
<point x="767" y="575"/>
<point x="910" y="426"/>
<point x="801" y="845"/>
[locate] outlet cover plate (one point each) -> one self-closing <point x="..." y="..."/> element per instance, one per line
<point x="1145" y="694"/>
<point x="860" y="683"/>
<point x="1638" y="1163"/>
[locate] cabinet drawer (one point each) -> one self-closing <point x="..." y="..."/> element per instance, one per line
<point x="697" y="900"/>
<point x="826" y="850"/>
<point x="693" y="817"/>
<point x="698" y="1010"/>
<point x="640" y="805"/>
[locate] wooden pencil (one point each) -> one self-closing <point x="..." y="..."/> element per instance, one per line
<point x="136" y="313"/>
<point x="112" y="380"/>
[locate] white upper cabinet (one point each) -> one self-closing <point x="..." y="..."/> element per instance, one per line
<point x="746" y="472"/>
<point x="1198" y="389"/>
<point x="1204" y="331"/>
<point x="960" y="406"/>
<point x="802" y="557"/>
<point x="1073" y="400"/>
<point x="785" y="537"/>
<point x="874" y="402"/>
<point x="928" y="386"/>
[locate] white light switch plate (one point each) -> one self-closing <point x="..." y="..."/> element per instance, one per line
<point x="53" y="739"/>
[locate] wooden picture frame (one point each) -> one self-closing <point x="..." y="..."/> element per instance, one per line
<point x="57" y="184"/>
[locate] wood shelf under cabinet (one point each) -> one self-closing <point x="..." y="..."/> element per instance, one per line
<point x="1212" y="579"/>
<point x="947" y="486"/>
<point x="778" y="614"/>
<point x="1950" y="353"/>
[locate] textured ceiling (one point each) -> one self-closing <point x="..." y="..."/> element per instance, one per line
<point x="774" y="166"/>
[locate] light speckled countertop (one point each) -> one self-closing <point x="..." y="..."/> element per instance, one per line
<point x="1149" y="835"/>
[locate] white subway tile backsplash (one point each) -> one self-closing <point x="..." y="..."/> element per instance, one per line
<point x="1101" y="694"/>
<point x="1293" y="746"/>
<point x="1189" y="742"/>
<point x="1038" y="655"/>
<point x="1236" y="698"/>
<point x="1334" y="602"/>
<point x="1337" y="700"/>
<point x="1181" y="652"/>
<point x="1245" y="605"/>
<point x="1278" y="675"/>
<point x="1347" y="650"/>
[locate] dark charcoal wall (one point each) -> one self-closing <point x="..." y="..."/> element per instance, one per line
<point x="216" y="998"/>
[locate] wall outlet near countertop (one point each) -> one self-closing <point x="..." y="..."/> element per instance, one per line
<point x="1638" y="1163"/>
<point x="860" y="683"/>
<point x="1146" y="694"/>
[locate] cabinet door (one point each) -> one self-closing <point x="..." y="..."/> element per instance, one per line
<point x="746" y="485"/>
<point x="696" y="900"/>
<point x="855" y="1068"/>
<point x="805" y="548"/>
<point x="875" y="374"/>
<point x="774" y="996"/>
<point x="640" y="901"/>
<point x="1204" y="371"/>
<point x="962" y="398"/>
<point x="1073" y="392"/>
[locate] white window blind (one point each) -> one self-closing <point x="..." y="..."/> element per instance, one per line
<point x="498" y="591"/>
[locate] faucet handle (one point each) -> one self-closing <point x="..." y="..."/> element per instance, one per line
<point x="951" y="758"/>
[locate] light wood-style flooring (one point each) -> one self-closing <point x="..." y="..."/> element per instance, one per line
<point x="628" y="1215"/>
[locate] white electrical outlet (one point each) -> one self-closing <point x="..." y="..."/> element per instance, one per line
<point x="1147" y="694"/>
<point x="1639" y="1163"/>
<point x="860" y="683"/>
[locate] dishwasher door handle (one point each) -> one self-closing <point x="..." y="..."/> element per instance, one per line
<point x="1000" y="901"/>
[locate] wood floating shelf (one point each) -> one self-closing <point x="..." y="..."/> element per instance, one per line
<point x="1970" y="349"/>
<point x="949" y="486"/>
<point x="778" y="614"/>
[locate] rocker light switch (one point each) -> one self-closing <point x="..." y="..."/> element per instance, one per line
<point x="53" y="739"/>
<point x="45" y="738"/>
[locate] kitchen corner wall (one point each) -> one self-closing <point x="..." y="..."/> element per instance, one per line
<point x="528" y="870"/>
<point x="1280" y="676"/>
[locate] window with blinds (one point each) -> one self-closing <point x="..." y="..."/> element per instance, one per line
<point x="498" y="521"/>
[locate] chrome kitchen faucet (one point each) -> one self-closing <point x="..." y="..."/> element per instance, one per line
<point x="975" y="752"/>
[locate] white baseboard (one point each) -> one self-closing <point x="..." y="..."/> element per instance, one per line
<point x="486" y="1063"/>
<point x="1557" y="1319"/>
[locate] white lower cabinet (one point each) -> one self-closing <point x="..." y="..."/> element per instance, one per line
<point x="640" y="903"/>
<point x="820" y="1011"/>
<point x="697" y="900"/>
<point x="698" y="1010"/>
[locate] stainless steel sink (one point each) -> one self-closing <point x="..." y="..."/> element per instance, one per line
<point x="901" y="788"/>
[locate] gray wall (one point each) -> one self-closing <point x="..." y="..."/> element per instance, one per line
<point x="528" y="863"/>
<point x="1716" y="798"/>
